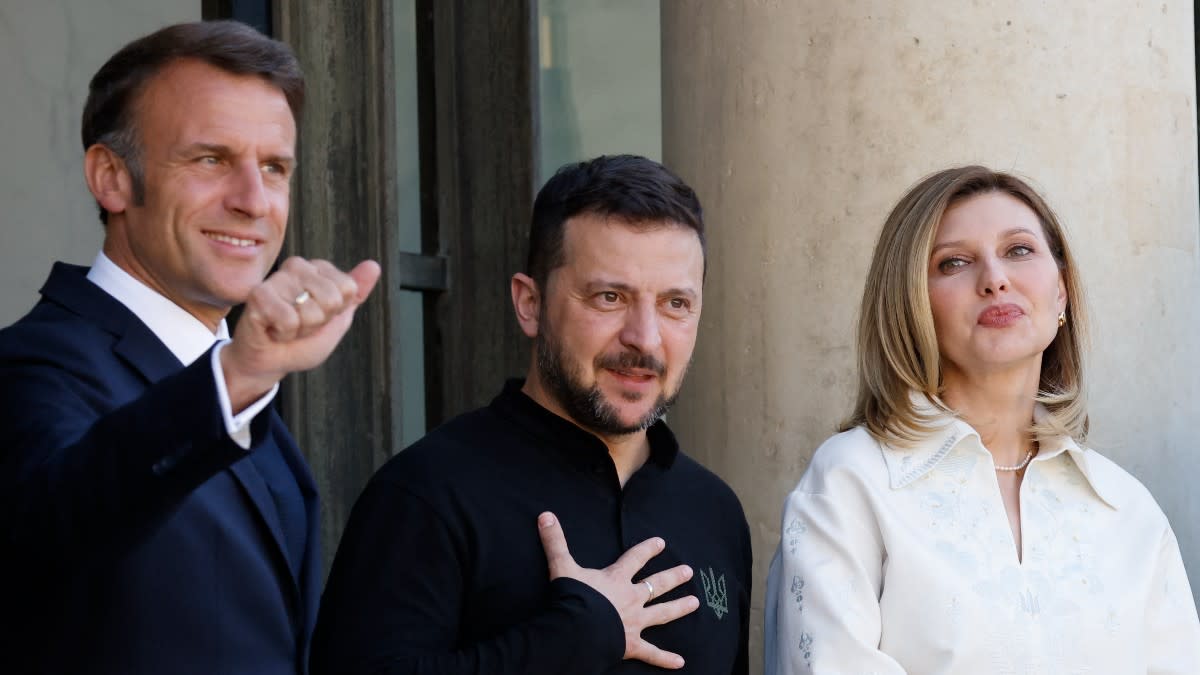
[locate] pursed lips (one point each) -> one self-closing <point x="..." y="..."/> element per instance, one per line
<point x="998" y="316"/>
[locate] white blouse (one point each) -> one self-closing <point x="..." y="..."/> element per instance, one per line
<point x="897" y="561"/>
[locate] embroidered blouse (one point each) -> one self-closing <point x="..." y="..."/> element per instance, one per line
<point x="895" y="561"/>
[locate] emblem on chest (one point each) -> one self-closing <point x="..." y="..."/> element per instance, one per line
<point x="715" y="594"/>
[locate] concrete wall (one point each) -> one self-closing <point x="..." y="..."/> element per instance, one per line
<point x="49" y="50"/>
<point x="801" y="123"/>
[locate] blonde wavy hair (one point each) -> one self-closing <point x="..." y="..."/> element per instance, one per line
<point x="897" y="345"/>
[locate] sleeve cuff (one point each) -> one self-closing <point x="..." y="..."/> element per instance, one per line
<point x="237" y="426"/>
<point x="598" y="623"/>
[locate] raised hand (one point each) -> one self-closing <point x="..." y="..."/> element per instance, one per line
<point x="292" y="322"/>
<point x="630" y="598"/>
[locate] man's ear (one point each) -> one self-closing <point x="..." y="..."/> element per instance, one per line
<point x="527" y="301"/>
<point x="108" y="178"/>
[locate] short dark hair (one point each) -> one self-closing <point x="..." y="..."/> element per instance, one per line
<point x="628" y="187"/>
<point x="231" y="46"/>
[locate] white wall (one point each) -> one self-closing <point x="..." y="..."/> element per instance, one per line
<point x="49" y="50"/>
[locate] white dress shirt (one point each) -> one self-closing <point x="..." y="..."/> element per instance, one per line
<point x="183" y="334"/>
<point x="899" y="561"/>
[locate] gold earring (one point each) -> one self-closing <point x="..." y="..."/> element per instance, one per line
<point x="1062" y="318"/>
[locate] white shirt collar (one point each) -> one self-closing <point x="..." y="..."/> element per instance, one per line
<point x="185" y="335"/>
<point x="907" y="464"/>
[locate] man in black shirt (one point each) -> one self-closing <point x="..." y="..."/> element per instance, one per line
<point x="442" y="569"/>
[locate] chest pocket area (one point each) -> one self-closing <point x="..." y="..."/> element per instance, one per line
<point x="712" y="632"/>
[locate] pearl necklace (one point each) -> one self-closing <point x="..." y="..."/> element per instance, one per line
<point x="1016" y="467"/>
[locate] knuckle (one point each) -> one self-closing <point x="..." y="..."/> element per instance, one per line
<point x="314" y="318"/>
<point x="324" y="299"/>
<point x="256" y="298"/>
<point x="287" y="321"/>
<point x="293" y="263"/>
<point x="347" y="286"/>
<point x="334" y="292"/>
<point x="324" y="266"/>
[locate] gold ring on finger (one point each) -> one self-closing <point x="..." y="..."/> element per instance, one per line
<point x="302" y="298"/>
<point x="650" y="587"/>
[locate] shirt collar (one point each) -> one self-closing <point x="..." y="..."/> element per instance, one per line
<point x="575" y="444"/>
<point x="906" y="464"/>
<point x="183" y="334"/>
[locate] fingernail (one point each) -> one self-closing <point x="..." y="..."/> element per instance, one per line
<point x="545" y="520"/>
<point x="687" y="572"/>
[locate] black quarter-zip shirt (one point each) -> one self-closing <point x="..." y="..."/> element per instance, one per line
<point x="441" y="569"/>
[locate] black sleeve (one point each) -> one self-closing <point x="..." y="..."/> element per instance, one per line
<point x="741" y="665"/>
<point x="395" y="594"/>
<point x="78" y="481"/>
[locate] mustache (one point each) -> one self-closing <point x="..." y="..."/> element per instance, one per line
<point x="627" y="360"/>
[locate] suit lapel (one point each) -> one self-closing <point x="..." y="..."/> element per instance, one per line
<point x="135" y="343"/>
<point x="251" y="480"/>
<point x="309" y="577"/>
<point x="309" y="582"/>
<point x="146" y="354"/>
<point x="295" y="460"/>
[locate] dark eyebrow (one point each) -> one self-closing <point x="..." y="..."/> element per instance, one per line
<point x="209" y="148"/>
<point x="224" y="151"/>
<point x="286" y="160"/>
<point x="598" y="285"/>
<point x="1006" y="234"/>
<point x="676" y="292"/>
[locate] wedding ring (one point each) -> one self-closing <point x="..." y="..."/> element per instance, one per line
<point x="301" y="299"/>
<point x="649" y="586"/>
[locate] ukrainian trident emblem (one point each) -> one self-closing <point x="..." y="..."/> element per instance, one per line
<point x="714" y="592"/>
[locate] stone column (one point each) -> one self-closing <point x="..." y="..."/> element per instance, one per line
<point x="345" y="414"/>
<point x="801" y="123"/>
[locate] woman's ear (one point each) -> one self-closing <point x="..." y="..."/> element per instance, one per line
<point x="1062" y="293"/>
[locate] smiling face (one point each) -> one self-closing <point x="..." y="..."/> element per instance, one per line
<point x="218" y="151"/>
<point x="617" y="322"/>
<point x="995" y="288"/>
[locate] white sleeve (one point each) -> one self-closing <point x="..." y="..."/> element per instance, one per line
<point x="823" y="590"/>
<point x="237" y="426"/>
<point x="1172" y="628"/>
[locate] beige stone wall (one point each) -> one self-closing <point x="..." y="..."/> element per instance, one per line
<point x="49" y="50"/>
<point x="800" y="123"/>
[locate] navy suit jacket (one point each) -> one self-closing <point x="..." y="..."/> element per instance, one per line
<point x="139" y="538"/>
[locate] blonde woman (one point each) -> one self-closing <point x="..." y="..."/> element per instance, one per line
<point x="958" y="524"/>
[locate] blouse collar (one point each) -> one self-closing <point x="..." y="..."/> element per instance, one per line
<point x="907" y="464"/>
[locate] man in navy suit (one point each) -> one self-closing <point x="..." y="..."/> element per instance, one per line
<point x="155" y="514"/>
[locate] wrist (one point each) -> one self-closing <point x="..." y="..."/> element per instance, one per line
<point x="244" y="385"/>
